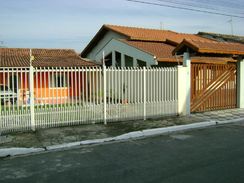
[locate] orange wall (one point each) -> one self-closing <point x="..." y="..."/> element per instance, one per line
<point x="42" y="90"/>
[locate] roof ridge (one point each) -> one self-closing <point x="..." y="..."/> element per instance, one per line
<point x="153" y="29"/>
<point x="134" y="27"/>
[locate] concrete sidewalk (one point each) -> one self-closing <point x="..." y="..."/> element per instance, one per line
<point x="55" y="136"/>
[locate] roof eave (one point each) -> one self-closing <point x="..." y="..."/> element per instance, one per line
<point x="174" y="43"/>
<point x="97" y="37"/>
<point x="223" y="52"/>
<point x="101" y="31"/>
<point x="146" y="51"/>
<point x="168" y="60"/>
<point x="183" y="44"/>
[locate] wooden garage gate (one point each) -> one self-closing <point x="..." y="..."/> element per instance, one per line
<point x="213" y="87"/>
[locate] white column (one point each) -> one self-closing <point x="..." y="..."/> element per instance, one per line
<point x="134" y="62"/>
<point x="122" y="60"/>
<point x="184" y="86"/>
<point x="32" y="104"/>
<point x="240" y="83"/>
<point x="113" y="59"/>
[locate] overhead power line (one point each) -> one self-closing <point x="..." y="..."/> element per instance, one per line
<point x="185" y="8"/>
<point x="186" y="4"/>
<point x="212" y="4"/>
<point x="215" y="3"/>
<point x="219" y="6"/>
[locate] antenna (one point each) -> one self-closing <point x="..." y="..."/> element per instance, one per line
<point x="161" y="26"/>
<point x="231" y="25"/>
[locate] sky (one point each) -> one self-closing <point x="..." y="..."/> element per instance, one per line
<point x="73" y="23"/>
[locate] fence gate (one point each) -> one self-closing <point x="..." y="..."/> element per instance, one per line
<point x="213" y="87"/>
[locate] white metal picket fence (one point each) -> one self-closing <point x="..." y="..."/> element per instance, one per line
<point x="49" y="97"/>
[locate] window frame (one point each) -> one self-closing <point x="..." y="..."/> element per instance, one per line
<point x="55" y="81"/>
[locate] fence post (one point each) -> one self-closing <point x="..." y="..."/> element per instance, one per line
<point x="32" y="107"/>
<point x="187" y="64"/>
<point x="240" y="83"/>
<point x="184" y="86"/>
<point x="104" y="96"/>
<point x="144" y="94"/>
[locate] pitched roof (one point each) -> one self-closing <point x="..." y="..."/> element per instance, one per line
<point x="164" y="44"/>
<point x="226" y="48"/>
<point x="163" y="53"/>
<point x="141" y="34"/>
<point x="20" y="57"/>
<point x="155" y="35"/>
<point x="160" y="50"/>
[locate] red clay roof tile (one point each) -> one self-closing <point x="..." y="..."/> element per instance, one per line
<point x="156" y="35"/>
<point x="226" y="48"/>
<point x="20" y="57"/>
<point x="163" y="52"/>
<point x="160" y="50"/>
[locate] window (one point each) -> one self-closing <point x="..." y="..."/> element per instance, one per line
<point x="141" y="63"/>
<point x="58" y="80"/>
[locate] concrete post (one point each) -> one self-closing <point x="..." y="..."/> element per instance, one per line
<point x="240" y="83"/>
<point x="122" y="60"/>
<point x="113" y="59"/>
<point x="184" y="86"/>
<point x="182" y="90"/>
<point x="134" y="62"/>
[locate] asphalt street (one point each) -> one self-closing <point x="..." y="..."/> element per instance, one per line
<point x="208" y="155"/>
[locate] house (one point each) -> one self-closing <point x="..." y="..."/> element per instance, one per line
<point x="131" y="47"/>
<point x="49" y="82"/>
<point x="215" y="64"/>
<point x="222" y="37"/>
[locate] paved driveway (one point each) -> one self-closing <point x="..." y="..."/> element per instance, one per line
<point x="208" y="155"/>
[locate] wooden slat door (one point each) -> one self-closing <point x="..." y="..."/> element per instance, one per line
<point x="213" y="87"/>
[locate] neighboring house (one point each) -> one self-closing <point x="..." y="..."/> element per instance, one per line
<point x="222" y="37"/>
<point x="130" y="46"/>
<point x="51" y="80"/>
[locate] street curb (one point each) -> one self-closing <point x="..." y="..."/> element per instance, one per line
<point x="19" y="151"/>
<point x="6" y="152"/>
<point x="79" y="143"/>
<point x="237" y="120"/>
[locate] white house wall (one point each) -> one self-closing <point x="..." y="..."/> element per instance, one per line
<point x="125" y="49"/>
<point x="108" y="36"/>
